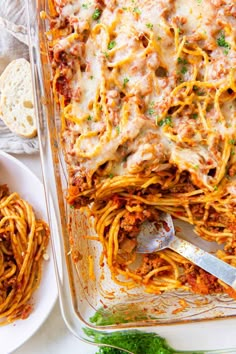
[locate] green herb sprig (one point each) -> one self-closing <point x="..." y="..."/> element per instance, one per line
<point x="97" y="13"/>
<point x="222" y="43"/>
<point x="165" y="121"/>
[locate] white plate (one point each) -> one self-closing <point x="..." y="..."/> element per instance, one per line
<point x="20" y="179"/>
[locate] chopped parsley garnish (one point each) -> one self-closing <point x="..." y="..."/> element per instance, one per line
<point x="137" y="10"/>
<point x="97" y="13"/>
<point x="232" y="141"/>
<point x="200" y="93"/>
<point x="194" y="115"/>
<point x="111" y="175"/>
<point x="89" y="117"/>
<point x="85" y="6"/>
<point x="196" y="167"/>
<point x="91" y="77"/>
<point x="149" y="25"/>
<point x="151" y="108"/>
<point x="158" y="38"/>
<point x="165" y="121"/>
<point x="199" y="1"/>
<point x="105" y="54"/>
<point x="111" y="45"/>
<point x="222" y="43"/>
<point x="151" y="111"/>
<point x="226" y="51"/>
<point x="183" y="70"/>
<point x="215" y="188"/>
<point x="118" y="129"/>
<point x="125" y="82"/>
<point x="182" y="61"/>
<point x="196" y="89"/>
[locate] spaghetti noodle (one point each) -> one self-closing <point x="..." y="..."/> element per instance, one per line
<point x="23" y="241"/>
<point x="147" y="94"/>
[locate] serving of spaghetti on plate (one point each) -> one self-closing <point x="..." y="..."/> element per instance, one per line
<point x="23" y="314"/>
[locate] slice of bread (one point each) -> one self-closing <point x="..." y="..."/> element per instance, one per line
<point x="16" y="102"/>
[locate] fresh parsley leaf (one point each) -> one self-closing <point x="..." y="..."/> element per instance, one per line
<point x="118" y="129"/>
<point x="125" y="82"/>
<point x="183" y="70"/>
<point x="89" y="117"/>
<point x="105" y="54"/>
<point x="222" y="42"/>
<point x="165" y="121"/>
<point x="151" y="111"/>
<point x="149" y="25"/>
<point x="226" y="51"/>
<point x="97" y="13"/>
<point x="137" y="10"/>
<point x="111" y="45"/>
<point x="182" y="61"/>
<point x="232" y="141"/>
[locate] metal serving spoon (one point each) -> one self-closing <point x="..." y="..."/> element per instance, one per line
<point x="155" y="236"/>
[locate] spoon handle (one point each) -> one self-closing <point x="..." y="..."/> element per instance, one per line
<point x="205" y="260"/>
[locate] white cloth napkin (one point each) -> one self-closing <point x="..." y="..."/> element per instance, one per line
<point x="13" y="45"/>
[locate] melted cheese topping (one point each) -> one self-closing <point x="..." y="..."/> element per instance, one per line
<point x="146" y="86"/>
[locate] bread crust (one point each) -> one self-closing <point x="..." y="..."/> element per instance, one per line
<point x="16" y="101"/>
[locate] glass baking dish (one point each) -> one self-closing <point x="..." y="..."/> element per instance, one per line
<point x="197" y="327"/>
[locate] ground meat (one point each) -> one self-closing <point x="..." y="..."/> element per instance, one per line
<point x="232" y="170"/>
<point x="198" y="210"/>
<point x="62" y="87"/>
<point x="132" y="221"/>
<point x="200" y="281"/>
<point x="230" y="10"/>
<point x="150" y="262"/>
<point x="217" y="3"/>
<point x="183" y="188"/>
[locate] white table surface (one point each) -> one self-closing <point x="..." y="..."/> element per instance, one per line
<point x="53" y="337"/>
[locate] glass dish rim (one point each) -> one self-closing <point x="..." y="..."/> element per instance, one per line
<point x="75" y="316"/>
